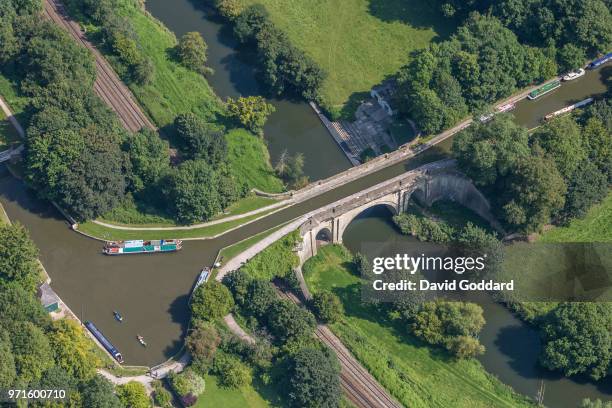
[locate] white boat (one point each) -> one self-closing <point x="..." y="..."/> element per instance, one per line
<point x="570" y="76"/>
<point x="505" y="108"/>
<point x="141" y="340"/>
<point x="485" y="118"/>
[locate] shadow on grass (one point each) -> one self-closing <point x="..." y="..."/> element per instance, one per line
<point x="416" y="13"/>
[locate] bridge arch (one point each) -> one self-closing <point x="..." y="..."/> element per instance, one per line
<point x="393" y="204"/>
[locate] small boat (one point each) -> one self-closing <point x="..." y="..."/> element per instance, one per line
<point x="568" y="109"/>
<point x="118" y="317"/>
<point x="570" y="76"/>
<point x="204" y="275"/>
<point x="141" y="340"/>
<point x="486" y="118"/>
<point x="505" y="108"/>
<point x="140" y="246"/>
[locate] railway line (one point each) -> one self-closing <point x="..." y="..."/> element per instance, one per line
<point x="107" y="86"/>
<point x="358" y="385"/>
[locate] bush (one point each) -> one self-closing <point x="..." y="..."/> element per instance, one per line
<point x="133" y="395"/>
<point x="251" y="111"/>
<point x="327" y="307"/>
<point x="161" y="396"/>
<point x="424" y="228"/>
<point x="187" y="382"/>
<point x="211" y="301"/>
<point x="202" y="343"/>
<point x="232" y="372"/>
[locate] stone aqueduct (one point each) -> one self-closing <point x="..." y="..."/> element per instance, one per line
<point x="429" y="183"/>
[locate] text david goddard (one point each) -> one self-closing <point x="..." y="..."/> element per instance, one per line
<point x="425" y="285"/>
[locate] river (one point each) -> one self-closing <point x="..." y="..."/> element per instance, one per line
<point x="152" y="291"/>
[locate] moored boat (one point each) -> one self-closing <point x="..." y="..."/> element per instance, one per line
<point x="600" y="61"/>
<point x="104" y="341"/>
<point x="544" y="89"/>
<point x="568" y="109"/>
<point x="570" y="76"/>
<point x="142" y="246"/>
<point x="505" y="108"/>
<point x="202" y="278"/>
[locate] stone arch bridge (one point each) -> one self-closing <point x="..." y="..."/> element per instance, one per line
<point x="428" y="183"/>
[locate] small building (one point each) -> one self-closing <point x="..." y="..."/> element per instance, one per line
<point x="48" y="298"/>
<point x="383" y="94"/>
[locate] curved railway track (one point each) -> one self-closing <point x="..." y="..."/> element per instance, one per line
<point x="358" y="385"/>
<point x="107" y="86"/>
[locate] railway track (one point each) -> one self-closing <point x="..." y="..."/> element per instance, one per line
<point x="358" y="385"/>
<point x="107" y="86"/>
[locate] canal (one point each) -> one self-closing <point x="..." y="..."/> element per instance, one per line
<point x="152" y="291"/>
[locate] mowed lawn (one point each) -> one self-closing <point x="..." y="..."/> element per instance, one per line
<point x="358" y="42"/>
<point x="596" y="226"/>
<point x="416" y="374"/>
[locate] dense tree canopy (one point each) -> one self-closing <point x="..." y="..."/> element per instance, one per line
<point x="578" y="339"/>
<point x="211" y="301"/>
<point x="202" y="343"/>
<point x="252" y="112"/>
<point x="287" y="321"/>
<point x="18" y="257"/>
<point x="314" y="378"/>
<point x="191" y="50"/>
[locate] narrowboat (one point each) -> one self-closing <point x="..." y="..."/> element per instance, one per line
<point x="600" y="61"/>
<point x="104" y="341"/>
<point x="568" y="109"/>
<point x="505" y="108"/>
<point x="544" y="89"/>
<point x="202" y="278"/>
<point x="142" y="247"/>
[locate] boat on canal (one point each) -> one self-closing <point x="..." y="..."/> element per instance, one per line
<point x="544" y="89"/>
<point x="202" y="278"/>
<point x="568" y="109"/>
<point x="600" y="61"/>
<point x="118" y="316"/>
<point x="570" y="76"/>
<point x="141" y="246"/>
<point x="104" y="341"/>
<point x="141" y="340"/>
<point x="505" y="108"/>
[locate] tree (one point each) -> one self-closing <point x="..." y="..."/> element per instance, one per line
<point x="18" y="257"/>
<point x="56" y="378"/>
<point x="291" y="170"/>
<point x="587" y="403"/>
<point x="570" y="57"/>
<point x="251" y="111"/>
<point x="191" y="192"/>
<point x="191" y="50"/>
<point x="232" y="372"/>
<point x="260" y="296"/>
<point x="74" y="352"/>
<point x="327" y="307"/>
<point x="133" y="395"/>
<point x="238" y="283"/>
<point x="586" y="187"/>
<point x="201" y="140"/>
<point x="33" y="354"/>
<point x="449" y="324"/>
<point x="99" y="393"/>
<point x="8" y="372"/>
<point x="230" y="9"/>
<point x="287" y="321"/>
<point x="486" y="152"/>
<point x="562" y="140"/>
<point x="535" y="192"/>
<point x="143" y="71"/>
<point x="314" y="379"/>
<point x="578" y="339"/>
<point x="18" y="305"/>
<point x="149" y="158"/>
<point x="202" y="343"/>
<point x="211" y="301"/>
<point x="597" y="138"/>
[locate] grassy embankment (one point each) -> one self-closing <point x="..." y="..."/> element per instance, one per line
<point x="417" y="375"/>
<point x="175" y="90"/>
<point x="357" y="42"/>
<point x="17" y="104"/>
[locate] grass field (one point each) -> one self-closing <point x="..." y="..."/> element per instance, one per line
<point x="249" y="396"/>
<point x="417" y="375"/>
<point x="595" y="227"/>
<point x="357" y="42"/>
